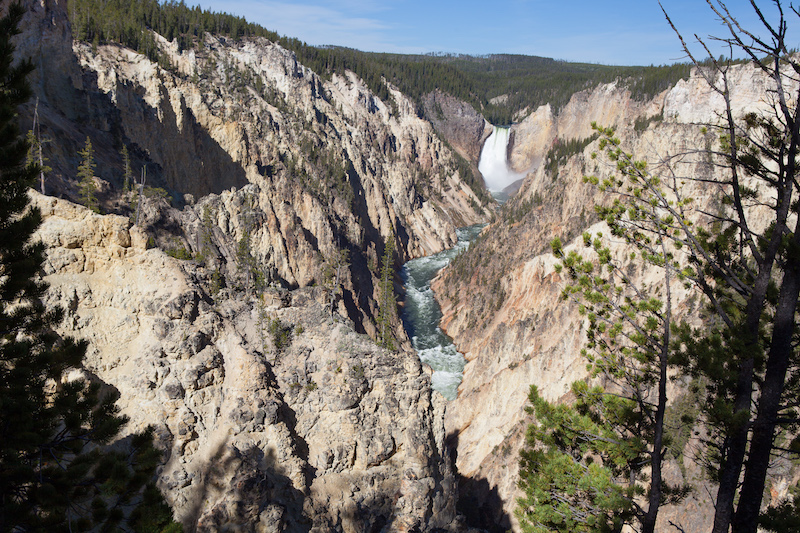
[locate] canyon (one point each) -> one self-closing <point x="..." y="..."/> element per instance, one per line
<point x="239" y="316"/>
<point x="273" y="405"/>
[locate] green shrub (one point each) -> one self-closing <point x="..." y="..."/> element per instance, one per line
<point x="281" y="334"/>
<point x="641" y="123"/>
<point x="178" y="251"/>
<point x="217" y="282"/>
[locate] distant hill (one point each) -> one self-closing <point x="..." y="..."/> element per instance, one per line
<point x="526" y="82"/>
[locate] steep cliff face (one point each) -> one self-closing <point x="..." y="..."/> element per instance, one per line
<point x="274" y="409"/>
<point x="247" y="112"/>
<point x="607" y="104"/>
<point x="463" y="127"/>
<point x="509" y="320"/>
<point x="231" y="113"/>
<point x="319" y="166"/>
<point x="47" y="40"/>
<point x="275" y="415"/>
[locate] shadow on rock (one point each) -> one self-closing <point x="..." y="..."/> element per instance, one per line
<point x="245" y="490"/>
<point x="478" y="501"/>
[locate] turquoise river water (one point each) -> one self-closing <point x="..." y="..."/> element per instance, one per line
<point x="421" y="315"/>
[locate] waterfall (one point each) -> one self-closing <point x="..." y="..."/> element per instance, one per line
<point x="493" y="164"/>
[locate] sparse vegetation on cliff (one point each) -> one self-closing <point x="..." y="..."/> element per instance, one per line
<point x="562" y="150"/>
<point x="641" y="123"/>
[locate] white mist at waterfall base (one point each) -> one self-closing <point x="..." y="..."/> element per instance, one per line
<point x="493" y="164"/>
<point x="421" y="316"/>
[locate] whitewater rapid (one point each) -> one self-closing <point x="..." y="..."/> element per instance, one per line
<point x="421" y="315"/>
<point x="493" y="163"/>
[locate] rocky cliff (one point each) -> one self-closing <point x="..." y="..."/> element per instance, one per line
<point x="235" y="318"/>
<point x="463" y="127"/>
<point x="329" y="165"/>
<point x="274" y="414"/>
<point x="501" y="299"/>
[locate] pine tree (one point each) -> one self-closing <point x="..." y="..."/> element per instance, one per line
<point x="53" y="474"/>
<point x="246" y="261"/>
<point x="387" y="307"/>
<point x="30" y="157"/>
<point x="127" y="172"/>
<point x="597" y="465"/>
<point x="749" y="277"/>
<point x="254" y="276"/>
<point x="741" y="256"/>
<point x="574" y="466"/>
<point x="86" y="177"/>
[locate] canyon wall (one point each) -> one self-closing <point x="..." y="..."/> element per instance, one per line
<point x="319" y="165"/>
<point x="463" y="127"/>
<point x="501" y="299"/>
<point x="229" y="113"/>
<point x="248" y="345"/>
<point x="327" y="165"/>
<point x="317" y="430"/>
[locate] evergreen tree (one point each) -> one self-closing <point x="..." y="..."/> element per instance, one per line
<point x="86" y="177"/>
<point x="741" y="256"/>
<point x="387" y="306"/>
<point x="249" y="266"/>
<point x="127" y="171"/>
<point x="246" y="260"/>
<point x="53" y="474"/>
<point x="749" y="277"/>
<point x="597" y="465"/>
<point x="574" y="466"/>
<point x="30" y="157"/>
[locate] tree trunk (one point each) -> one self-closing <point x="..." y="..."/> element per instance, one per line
<point x="657" y="456"/>
<point x="780" y="355"/>
<point x="736" y="446"/>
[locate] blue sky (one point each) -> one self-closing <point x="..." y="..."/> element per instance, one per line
<point x="631" y="32"/>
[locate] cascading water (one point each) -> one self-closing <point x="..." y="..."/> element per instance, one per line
<point x="421" y="315"/>
<point x="493" y="163"/>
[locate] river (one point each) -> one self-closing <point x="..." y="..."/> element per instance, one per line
<point x="421" y="315"/>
